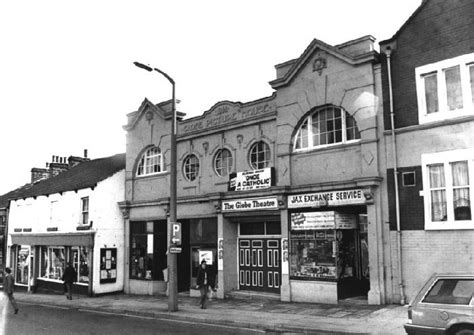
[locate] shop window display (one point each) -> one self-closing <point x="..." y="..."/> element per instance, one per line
<point x="22" y="265"/>
<point x="53" y="262"/>
<point x="80" y="263"/>
<point x="148" y="250"/>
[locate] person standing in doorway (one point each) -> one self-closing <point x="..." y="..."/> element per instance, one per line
<point x="202" y="282"/>
<point x="8" y="284"/>
<point x="69" y="278"/>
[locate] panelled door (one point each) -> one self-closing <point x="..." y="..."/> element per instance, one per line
<point x="259" y="264"/>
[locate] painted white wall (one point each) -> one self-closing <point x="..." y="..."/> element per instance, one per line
<point x="64" y="212"/>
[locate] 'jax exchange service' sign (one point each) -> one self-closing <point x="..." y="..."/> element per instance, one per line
<point x="251" y="180"/>
<point x="250" y="204"/>
<point x="331" y="198"/>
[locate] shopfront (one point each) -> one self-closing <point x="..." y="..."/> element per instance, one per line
<point x="39" y="261"/>
<point x="328" y="246"/>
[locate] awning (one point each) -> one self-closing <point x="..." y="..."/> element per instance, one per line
<point x="67" y="239"/>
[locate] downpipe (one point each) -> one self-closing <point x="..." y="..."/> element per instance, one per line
<point x="388" y="53"/>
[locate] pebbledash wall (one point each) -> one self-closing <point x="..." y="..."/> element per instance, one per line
<point x="431" y="135"/>
<point x="267" y="235"/>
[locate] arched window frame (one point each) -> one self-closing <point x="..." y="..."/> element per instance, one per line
<point x="191" y="168"/>
<point x="305" y="138"/>
<point x="150" y="163"/>
<point x="218" y="169"/>
<point x="265" y="151"/>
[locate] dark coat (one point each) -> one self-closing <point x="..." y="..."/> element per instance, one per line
<point x="201" y="275"/>
<point x="8" y="284"/>
<point x="70" y="275"/>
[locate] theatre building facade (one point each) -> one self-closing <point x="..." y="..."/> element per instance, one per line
<point x="282" y="195"/>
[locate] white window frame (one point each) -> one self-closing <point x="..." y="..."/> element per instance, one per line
<point x="83" y="212"/>
<point x="446" y="158"/>
<point x="229" y="168"/>
<point x="464" y="62"/>
<point x="309" y="121"/>
<point x="143" y="160"/>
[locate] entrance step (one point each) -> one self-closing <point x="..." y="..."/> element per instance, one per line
<point x="252" y="295"/>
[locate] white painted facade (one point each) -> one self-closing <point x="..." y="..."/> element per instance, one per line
<point x="63" y="212"/>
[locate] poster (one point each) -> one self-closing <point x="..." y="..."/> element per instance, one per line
<point x="205" y="255"/>
<point x="108" y="265"/>
<point x="220" y="253"/>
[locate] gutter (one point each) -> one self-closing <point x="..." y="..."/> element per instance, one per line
<point x="388" y="52"/>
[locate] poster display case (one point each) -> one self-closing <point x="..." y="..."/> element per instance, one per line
<point x="108" y="265"/>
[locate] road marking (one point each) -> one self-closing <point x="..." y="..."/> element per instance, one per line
<point x="173" y="320"/>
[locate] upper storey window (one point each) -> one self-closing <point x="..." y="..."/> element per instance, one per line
<point x="324" y="127"/>
<point x="223" y="162"/>
<point x="151" y="162"/>
<point x="445" y="89"/>
<point x="259" y="155"/>
<point x="191" y="167"/>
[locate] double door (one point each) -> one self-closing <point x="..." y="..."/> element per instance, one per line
<point x="260" y="264"/>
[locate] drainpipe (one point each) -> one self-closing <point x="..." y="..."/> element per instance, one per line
<point x="388" y="52"/>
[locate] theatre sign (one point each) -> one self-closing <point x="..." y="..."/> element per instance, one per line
<point x="250" y="204"/>
<point x="251" y="180"/>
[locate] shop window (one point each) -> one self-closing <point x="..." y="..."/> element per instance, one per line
<point x="151" y="162"/>
<point x="53" y="262"/>
<point x="223" y="162"/>
<point x="325" y="127"/>
<point x="203" y="231"/>
<point x="80" y="263"/>
<point x="445" y="89"/>
<point x="191" y="167"/>
<point x="85" y="210"/>
<point x="148" y="250"/>
<point x="447" y="189"/>
<point x="259" y="155"/>
<point x="22" y="264"/>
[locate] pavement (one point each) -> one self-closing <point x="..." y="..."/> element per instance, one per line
<point x="269" y="315"/>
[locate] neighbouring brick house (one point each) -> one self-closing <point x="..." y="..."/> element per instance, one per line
<point x="282" y="195"/>
<point x="428" y="69"/>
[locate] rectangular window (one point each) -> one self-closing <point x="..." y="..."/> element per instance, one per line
<point x="52" y="262"/>
<point x="447" y="195"/>
<point x="431" y="93"/>
<point x="85" y="210"/>
<point x="445" y="89"/>
<point x="80" y="263"/>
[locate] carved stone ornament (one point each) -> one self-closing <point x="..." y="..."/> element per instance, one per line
<point x="319" y="63"/>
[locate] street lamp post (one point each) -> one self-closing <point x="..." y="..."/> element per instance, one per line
<point x="172" y="257"/>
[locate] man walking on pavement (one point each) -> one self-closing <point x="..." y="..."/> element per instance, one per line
<point x="69" y="277"/>
<point x="8" y="288"/>
<point x="202" y="282"/>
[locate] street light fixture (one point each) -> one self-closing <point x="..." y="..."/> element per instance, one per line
<point x="172" y="257"/>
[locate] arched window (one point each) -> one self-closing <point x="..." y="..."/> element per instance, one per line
<point x="324" y="127"/>
<point x="151" y="162"/>
<point x="223" y="162"/>
<point x="191" y="167"/>
<point x="259" y="155"/>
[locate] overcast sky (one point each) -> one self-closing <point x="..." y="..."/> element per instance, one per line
<point x="67" y="78"/>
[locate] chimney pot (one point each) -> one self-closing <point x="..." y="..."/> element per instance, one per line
<point x="85" y="153"/>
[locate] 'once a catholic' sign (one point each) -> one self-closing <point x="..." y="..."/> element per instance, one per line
<point x="250" y="180"/>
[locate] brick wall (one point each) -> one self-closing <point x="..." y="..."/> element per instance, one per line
<point x="411" y="203"/>
<point x="441" y="30"/>
<point x="427" y="252"/>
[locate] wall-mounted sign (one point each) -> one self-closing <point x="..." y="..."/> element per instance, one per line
<point x="250" y="204"/>
<point x="205" y="255"/>
<point x="220" y="252"/>
<point x="322" y="220"/>
<point x="108" y="265"/>
<point x="331" y="198"/>
<point x="251" y="180"/>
